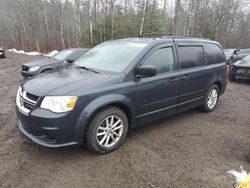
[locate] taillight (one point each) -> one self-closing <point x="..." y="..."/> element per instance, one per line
<point x="227" y="70"/>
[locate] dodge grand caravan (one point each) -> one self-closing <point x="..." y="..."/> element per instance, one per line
<point x="118" y="85"/>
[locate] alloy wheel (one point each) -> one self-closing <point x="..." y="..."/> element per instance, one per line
<point x="109" y="131"/>
<point x="212" y="98"/>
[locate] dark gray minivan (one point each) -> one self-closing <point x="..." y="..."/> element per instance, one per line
<point x="118" y="85"/>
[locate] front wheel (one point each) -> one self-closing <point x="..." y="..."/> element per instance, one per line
<point x="107" y="130"/>
<point x="211" y="99"/>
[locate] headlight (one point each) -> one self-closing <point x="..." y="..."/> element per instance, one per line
<point x="33" y="69"/>
<point x="59" y="104"/>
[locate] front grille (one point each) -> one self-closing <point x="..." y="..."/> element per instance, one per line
<point x="28" y="105"/>
<point x="32" y="97"/>
<point x="25" y="68"/>
<point x="26" y="101"/>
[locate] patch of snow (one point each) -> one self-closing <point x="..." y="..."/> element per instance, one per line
<point x="12" y="50"/>
<point x="16" y="51"/>
<point x="33" y="53"/>
<point x="50" y="54"/>
<point x="21" y="52"/>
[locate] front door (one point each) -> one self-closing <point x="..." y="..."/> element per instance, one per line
<point x="157" y="95"/>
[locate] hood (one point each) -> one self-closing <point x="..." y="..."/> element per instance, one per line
<point x="242" y="63"/>
<point x="1" y="49"/>
<point x="41" y="62"/>
<point x="66" y="81"/>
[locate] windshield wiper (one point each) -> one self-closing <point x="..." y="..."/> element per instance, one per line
<point x="88" y="69"/>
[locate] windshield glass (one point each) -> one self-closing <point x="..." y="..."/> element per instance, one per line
<point x="247" y="58"/>
<point x="110" y="56"/>
<point x="62" y="54"/>
<point x="228" y="53"/>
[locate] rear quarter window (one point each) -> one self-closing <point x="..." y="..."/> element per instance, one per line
<point x="213" y="54"/>
<point x="190" y="56"/>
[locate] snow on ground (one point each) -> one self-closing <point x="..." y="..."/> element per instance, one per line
<point x="50" y="54"/>
<point x="33" y="53"/>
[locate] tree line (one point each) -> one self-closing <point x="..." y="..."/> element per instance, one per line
<point x="45" y="25"/>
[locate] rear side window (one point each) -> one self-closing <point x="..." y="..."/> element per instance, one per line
<point x="191" y="56"/>
<point x="162" y="59"/>
<point x="214" y="54"/>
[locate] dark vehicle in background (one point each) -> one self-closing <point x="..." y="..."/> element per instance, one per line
<point x="229" y="53"/>
<point x="118" y="85"/>
<point x="240" y="69"/>
<point x="233" y="55"/>
<point x="2" y="52"/>
<point x="32" y="68"/>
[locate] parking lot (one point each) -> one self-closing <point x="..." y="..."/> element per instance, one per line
<point x="192" y="149"/>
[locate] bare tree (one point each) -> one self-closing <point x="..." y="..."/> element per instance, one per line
<point x="143" y="16"/>
<point x="45" y="25"/>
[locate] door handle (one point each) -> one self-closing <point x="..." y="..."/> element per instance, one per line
<point x="173" y="79"/>
<point x="186" y="77"/>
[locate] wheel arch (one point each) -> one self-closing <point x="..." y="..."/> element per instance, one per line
<point x="219" y="84"/>
<point x="46" y="69"/>
<point x="117" y="100"/>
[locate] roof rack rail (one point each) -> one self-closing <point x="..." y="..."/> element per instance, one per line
<point x="156" y="34"/>
<point x="198" y="36"/>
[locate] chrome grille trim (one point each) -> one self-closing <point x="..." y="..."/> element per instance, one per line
<point x="22" y="100"/>
<point x="28" y="99"/>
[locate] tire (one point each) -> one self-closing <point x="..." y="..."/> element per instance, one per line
<point x="248" y="155"/>
<point x="98" y="125"/>
<point x="231" y="76"/>
<point x="210" y="95"/>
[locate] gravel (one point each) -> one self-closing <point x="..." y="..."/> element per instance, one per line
<point x="192" y="149"/>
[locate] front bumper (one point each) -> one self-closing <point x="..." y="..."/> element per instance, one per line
<point x="27" y="74"/>
<point x="41" y="141"/>
<point x="241" y="72"/>
<point x="46" y="128"/>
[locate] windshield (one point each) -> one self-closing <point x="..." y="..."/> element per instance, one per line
<point x="62" y="55"/>
<point x="228" y="53"/>
<point x="110" y="56"/>
<point x="247" y="58"/>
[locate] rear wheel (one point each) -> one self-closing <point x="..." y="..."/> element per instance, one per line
<point x="107" y="130"/>
<point x="211" y="99"/>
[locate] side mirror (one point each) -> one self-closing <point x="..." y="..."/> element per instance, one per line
<point x="236" y="52"/>
<point x="70" y="61"/>
<point x="146" y="71"/>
